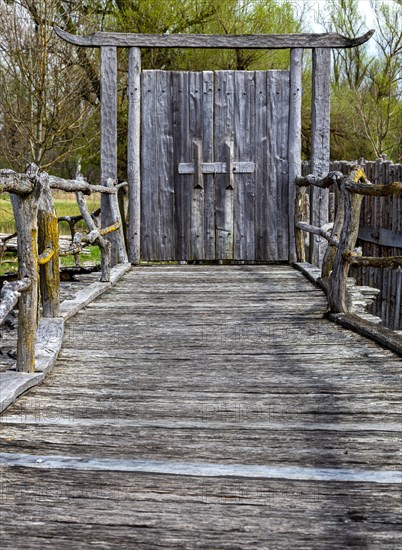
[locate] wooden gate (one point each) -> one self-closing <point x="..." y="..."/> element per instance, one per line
<point x="214" y="165"/>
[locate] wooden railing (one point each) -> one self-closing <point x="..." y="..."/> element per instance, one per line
<point x="38" y="249"/>
<point x="342" y="234"/>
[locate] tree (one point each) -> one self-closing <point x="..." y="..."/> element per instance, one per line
<point x="46" y="97"/>
<point x="366" y="92"/>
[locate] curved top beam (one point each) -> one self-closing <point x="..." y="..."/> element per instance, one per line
<point x="242" y="41"/>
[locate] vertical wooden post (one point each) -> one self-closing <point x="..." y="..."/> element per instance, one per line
<point x="133" y="154"/>
<point x="331" y="251"/>
<point x="26" y="213"/>
<point x="294" y="147"/>
<point x="109" y="137"/>
<point x="48" y="238"/>
<point x="103" y="244"/>
<point x="320" y="151"/>
<point x="339" y="276"/>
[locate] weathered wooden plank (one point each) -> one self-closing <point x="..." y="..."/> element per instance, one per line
<point x="272" y="176"/>
<point x="150" y="243"/>
<point x="258" y="41"/>
<point x="216" y="167"/>
<point x="320" y="115"/>
<point x="183" y="152"/>
<point x="108" y="144"/>
<point x="282" y="136"/>
<point x="133" y="155"/>
<point x="294" y="139"/>
<point x="261" y="158"/>
<point x="196" y="115"/>
<point x="165" y="167"/>
<point x="208" y="154"/>
<point x="244" y="150"/>
<point x="224" y="136"/>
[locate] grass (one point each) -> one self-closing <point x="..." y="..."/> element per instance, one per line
<point x="9" y="264"/>
<point x="65" y="205"/>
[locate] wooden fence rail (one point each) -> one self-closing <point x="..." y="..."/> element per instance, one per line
<point x="343" y="233"/>
<point x="38" y="249"/>
<point x="380" y="234"/>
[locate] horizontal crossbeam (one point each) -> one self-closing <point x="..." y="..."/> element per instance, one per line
<point x="217" y="167"/>
<point x="249" y="41"/>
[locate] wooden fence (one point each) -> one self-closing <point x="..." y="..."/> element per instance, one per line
<point x="38" y="249"/>
<point x="380" y="235"/>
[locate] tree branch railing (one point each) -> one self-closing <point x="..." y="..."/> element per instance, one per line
<point x="38" y="248"/>
<point x="343" y="233"/>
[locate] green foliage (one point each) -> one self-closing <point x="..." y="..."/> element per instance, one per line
<point x="50" y="91"/>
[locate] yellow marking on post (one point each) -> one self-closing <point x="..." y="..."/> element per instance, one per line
<point x="46" y="256"/>
<point x="359" y="175"/>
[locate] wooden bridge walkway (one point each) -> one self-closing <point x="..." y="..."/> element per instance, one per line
<point x="207" y="407"/>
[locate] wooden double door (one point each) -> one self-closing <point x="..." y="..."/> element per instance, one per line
<point x="214" y="165"/>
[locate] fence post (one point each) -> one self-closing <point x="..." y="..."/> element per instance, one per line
<point x="25" y="209"/>
<point x="338" y="280"/>
<point x="48" y="248"/>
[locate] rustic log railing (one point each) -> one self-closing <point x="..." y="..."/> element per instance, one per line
<point x="38" y="249"/>
<point x="343" y="233"/>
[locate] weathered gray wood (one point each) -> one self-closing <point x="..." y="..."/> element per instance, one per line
<point x="48" y="238"/>
<point x="25" y="210"/>
<point x="324" y="231"/>
<point x="13" y="384"/>
<point x="133" y="154"/>
<point x="149" y="167"/>
<point x="223" y="132"/>
<point x="11" y="182"/>
<point x="330" y="253"/>
<point x="247" y="386"/>
<point x="196" y="124"/>
<point x="217" y="167"/>
<point x="208" y="156"/>
<point x="332" y="178"/>
<point x="389" y="261"/>
<point x="394" y="188"/>
<point x="282" y="136"/>
<point x="261" y="161"/>
<point x="320" y="146"/>
<point x="109" y="137"/>
<point x="294" y="140"/>
<point x="9" y="295"/>
<point x="277" y="174"/>
<point x="165" y="166"/>
<point x="379" y="334"/>
<point x="117" y="222"/>
<point x="103" y="243"/>
<point x="182" y="141"/>
<point x="78" y="184"/>
<point x="229" y="204"/>
<point x="258" y="41"/>
<point x="244" y="150"/>
<point x="347" y="242"/>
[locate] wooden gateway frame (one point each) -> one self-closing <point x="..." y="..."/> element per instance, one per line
<point x="321" y="45"/>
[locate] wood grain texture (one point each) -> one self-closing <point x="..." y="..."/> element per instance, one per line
<point x="109" y="137"/>
<point x="294" y="140"/>
<point x="133" y="154"/>
<point x="228" y="161"/>
<point x="207" y="364"/>
<point x="25" y="209"/>
<point x="320" y="115"/>
<point x="258" y="41"/>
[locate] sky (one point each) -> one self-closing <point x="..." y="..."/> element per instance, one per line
<point x="317" y="9"/>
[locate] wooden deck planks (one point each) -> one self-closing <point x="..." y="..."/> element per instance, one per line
<point x="228" y="365"/>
